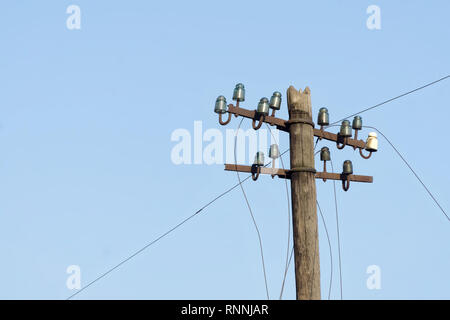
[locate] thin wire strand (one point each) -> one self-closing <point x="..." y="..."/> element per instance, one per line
<point x="316" y="238"/>
<point x="289" y="216"/>
<point x="395" y="149"/>
<point x="337" y="227"/>
<point x="329" y="241"/>
<point x="412" y="170"/>
<point x="329" y="246"/>
<point x="148" y="245"/>
<point x="395" y="98"/>
<point x="315" y="242"/>
<point x="330" y="250"/>
<point x="288" y="203"/>
<point x="240" y="184"/>
<point x="290" y="258"/>
<point x="164" y="234"/>
<point x="251" y="213"/>
<point x="286" y="270"/>
<point x="338" y="232"/>
<point x="407" y="164"/>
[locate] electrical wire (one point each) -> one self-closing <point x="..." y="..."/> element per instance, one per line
<point x="148" y="245"/>
<point x="251" y="213"/>
<point x="330" y="250"/>
<point x="289" y="216"/>
<point x="427" y="189"/>
<point x="336" y="204"/>
<point x="329" y="246"/>
<point x="412" y="170"/>
<point x="164" y="234"/>
<point x="240" y="184"/>
<point x="329" y="242"/>
<point x="337" y="227"/>
<point x="338" y="232"/>
<point x="392" y="99"/>
<point x="290" y="256"/>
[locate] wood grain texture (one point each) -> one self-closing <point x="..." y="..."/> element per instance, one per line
<point x="282" y="173"/>
<point x="303" y="188"/>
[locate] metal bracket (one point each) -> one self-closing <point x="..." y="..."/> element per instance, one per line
<point x="303" y="169"/>
<point x="300" y="120"/>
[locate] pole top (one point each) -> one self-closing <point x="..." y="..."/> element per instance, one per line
<point x="299" y="100"/>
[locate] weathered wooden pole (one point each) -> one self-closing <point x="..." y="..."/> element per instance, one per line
<point x="303" y="188"/>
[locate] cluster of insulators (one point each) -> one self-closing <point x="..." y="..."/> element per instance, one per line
<point x="345" y="132"/>
<point x="274" y="153"/>
<point x="262" y="109"/>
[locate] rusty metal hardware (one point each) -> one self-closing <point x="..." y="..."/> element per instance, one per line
<point x="260" y="122"/>
<point x="224" y="122"/>
<point x="363" y="156"/>
<point x="256" y="170"/>
<point x="286" y="174"/>
<point x="300" y="120"/>
<point x="283" y="125"/>
<point x="336" y="138"/>
<point x="346" y="183"/>
<point x="251" y="114"/>
<point x="302" y="169"/>
<point x="257" y="164"/>
<point x="341" y="141"/>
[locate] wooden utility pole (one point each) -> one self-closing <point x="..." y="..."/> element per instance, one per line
<point x="303" y="189"/>
<point x="302" y="172"/>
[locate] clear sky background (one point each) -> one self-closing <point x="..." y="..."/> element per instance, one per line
<point x="86" y="117"/>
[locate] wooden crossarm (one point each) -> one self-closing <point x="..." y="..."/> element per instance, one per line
<point x="281" y="173"/>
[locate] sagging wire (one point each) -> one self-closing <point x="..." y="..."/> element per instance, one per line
<point x="328" y="238"/>
<point x="251" y="213"/>
<point x="338" y="232"/>
<point x="394" y="98"/>
<point x="289" y="215"/>
<point x="330" y="250"/>
<point x="412" y="170"/>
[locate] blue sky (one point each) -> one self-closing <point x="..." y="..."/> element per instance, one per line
<point x="86" y="117"/>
